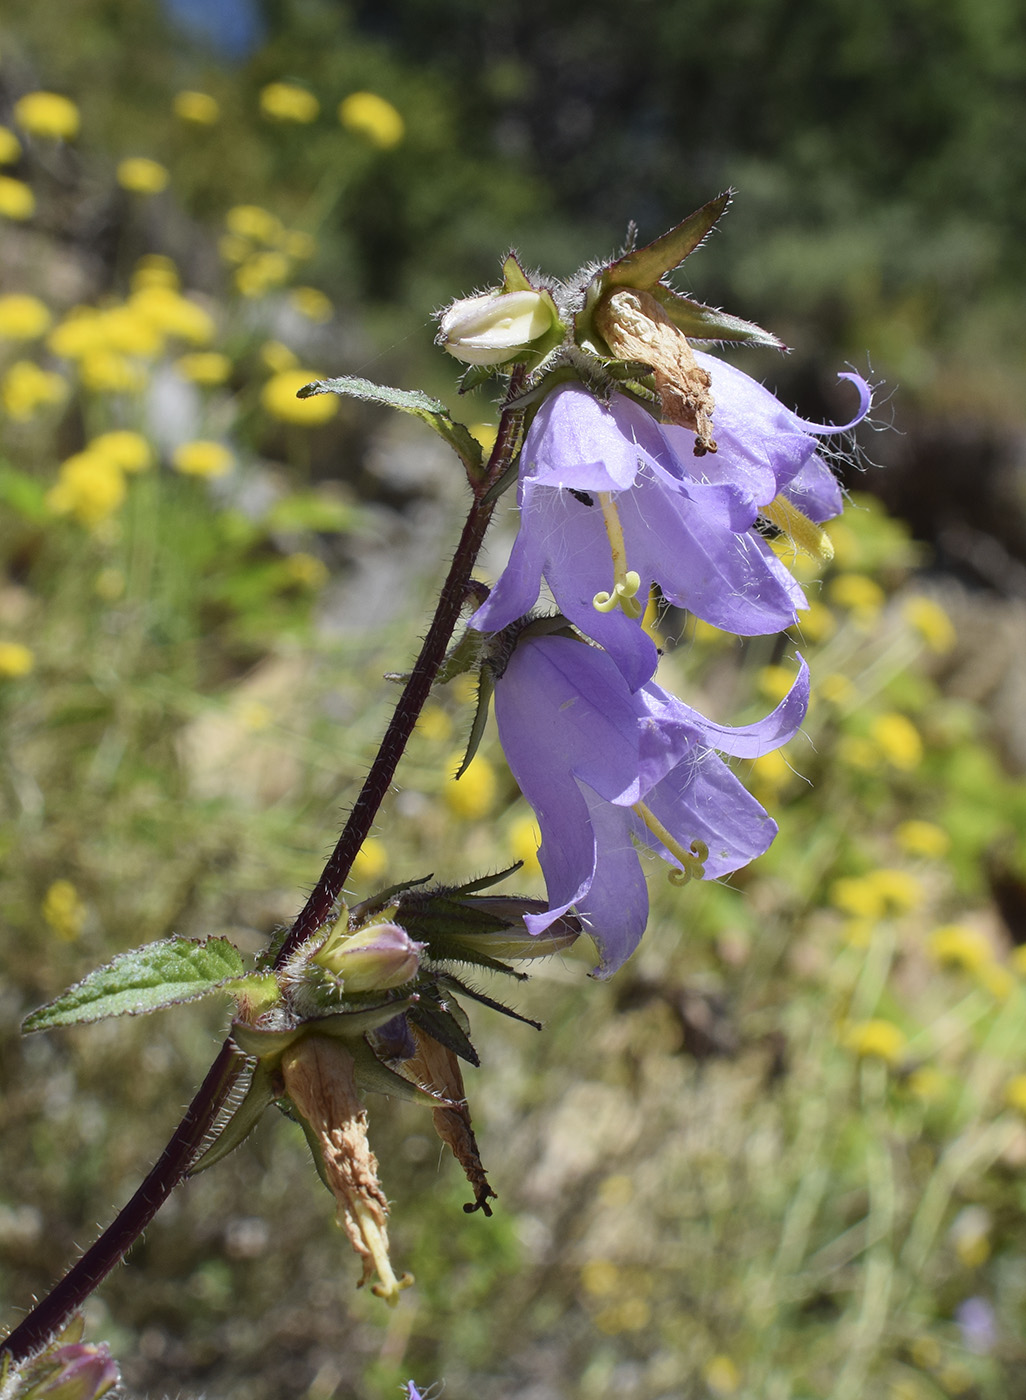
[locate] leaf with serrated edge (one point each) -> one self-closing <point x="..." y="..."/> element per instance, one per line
<point x="167" y="973"/>
<point x="644" y="267"/>
<point x="422" y="406"/>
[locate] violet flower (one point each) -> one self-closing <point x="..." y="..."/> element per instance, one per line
<point x="603" y="767"/>
<point x="607" y="494"/>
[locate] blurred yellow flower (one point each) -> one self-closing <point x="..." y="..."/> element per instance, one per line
<point x="15" y="660"/>
<point x="996" y="980"/>
<point x="898" y="740"/>
<point x="958" y="946"/>
<point x="106" y="372"/>
<point x="816" y="623"/>
<point x="80" y="332"/>
<point x="174" y="314"/>
<point x="127" y="450"/>
<point x="859" y="595"/>
<point x="16" y="199"/>
<point x="919" y="838"/>
<point x="474" y="795"/>
<point x="774" y="682"/>
<point x="899" y="890"/>
<point x="198" y="107"/>
<point x="277" y="356"/>
<point x="372" y="117"/>
<point x="260" y="272"/>
<point x="123" y="329"/>
<point x="306" y="570"/>
<point x="206" y="367"/>
<point x="931" y="622"/>
<point x="89" y="486"/>
<point x="312" y="304"/>
<point x="48" y="114"/>
<point x="233" y="248"/>
<point x="600" y="1277"/>
<point x="25" y="388"/>
<point x="1015" y="1093"/>
<point x="155" y="270"/>
<point x="279" y="399"/>
<point x="486" y="433"/>
<point x="63" y="910"/>
<point x="285" y="102"/>
<point x="297" y="244"/>
<point x="371" y="861"/>
<point x="434" y="724"/>
<point x="722" y="1376"/>
<point x="771" y="772"/>
<point x="836" y="689"/>
<point x="524" y="841"/>
<point x="254" y="222"/>
<point x="878" y="1039"/>
<point x="10" y="146"/>
<point x="705" y="634"/>
<point x="202" y="458"/>
<point x="927" y="1083"/>
<point x="109" y="584"/>
<point x="141" y="175"/>
<point x="857" y="895"/>
<point x="855" y="751"/>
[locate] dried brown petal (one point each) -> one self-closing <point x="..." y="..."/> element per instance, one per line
<point x="635" y="327"/>
<point x="319" y="1080"/>
<point x="436" y="1068"/>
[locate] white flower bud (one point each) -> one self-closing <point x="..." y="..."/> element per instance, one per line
<point x="492" y="328"/>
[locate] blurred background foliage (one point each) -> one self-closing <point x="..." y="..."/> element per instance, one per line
<point x="781" y="1155"/>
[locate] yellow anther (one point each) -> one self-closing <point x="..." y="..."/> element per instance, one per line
<point x="803" y="533"/>
<point x="626" y="582"/>
<point x="692" y="860"/>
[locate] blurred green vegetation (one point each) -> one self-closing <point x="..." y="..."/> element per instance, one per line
<point x="782" y="1154"/>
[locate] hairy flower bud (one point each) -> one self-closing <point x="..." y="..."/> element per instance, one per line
<point x="494" y="327"/>
<point x="79" y="1371"/>
<point x="372" y="959"/>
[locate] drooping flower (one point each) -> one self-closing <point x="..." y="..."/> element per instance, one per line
<point x="605" y="767"/>
<point x="612" y="501"/>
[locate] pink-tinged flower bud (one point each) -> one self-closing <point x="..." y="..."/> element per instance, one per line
<point x="494" y="327"/>
<point x="80" y="1371"/>
<point x="372" y="959"/>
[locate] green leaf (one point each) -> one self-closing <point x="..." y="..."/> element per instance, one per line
<point x="262" y="1092"/>
<point x="423" y="406"/>
<point x="644" y="267"/>
<point x="167" y="973"/>
<point x="700" y="322"/>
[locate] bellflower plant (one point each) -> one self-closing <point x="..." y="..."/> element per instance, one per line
<point x="641" y="462"/>
<point x="607" y="494"/>
<point x="605" y="768"/>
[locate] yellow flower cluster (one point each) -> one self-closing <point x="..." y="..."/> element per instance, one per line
<point x="25" y="388"/>
<point x="206" y="367"/>
<point x="16" y="660"/>
<point x="202" y="458"/>
<point x="878" y="895"/>
<point x="47" y="114"/>
<point x="372" y="117"/>
<point x="10" y="146"/>
<point x="63" y="910"/>
<point x="141" y="175"/>
<point x="473" y="797"/>
<point x="23" y="317"/>
<point x="279" y="399"/>
<point x="858" y="595"/>
<point x="111" y="345"/>
<point x="16" y="199"/>
<point x="197" y="107"/>
<point x="263" y="249"/>
<point x="877" y="1039"/>
<point x="287" y="102"/>
<point x="931" y="622"/>
<point x="91" y="484"/>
